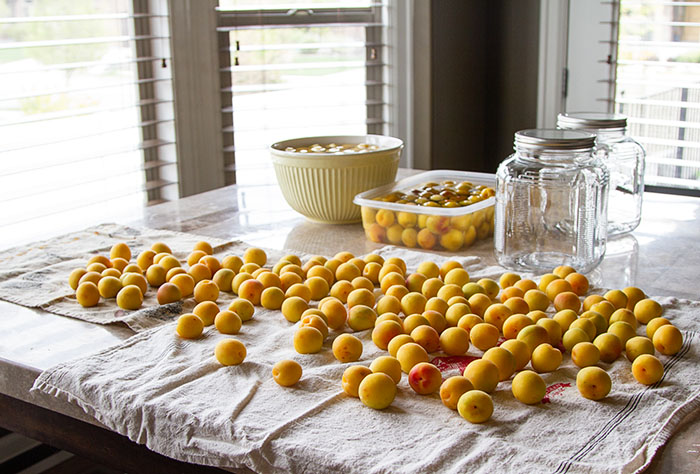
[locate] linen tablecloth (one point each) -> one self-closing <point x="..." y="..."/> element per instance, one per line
<point x="173" y="396"/>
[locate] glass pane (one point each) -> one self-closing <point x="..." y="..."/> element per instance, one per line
<point x="284" y="4"/>
<point x="69" y="114"/>
<point x="658" y="87"/>
<point x="295" y="82"/>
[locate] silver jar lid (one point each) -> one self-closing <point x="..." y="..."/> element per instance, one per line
<point x="591" y="120"/>
<point x="541" y="139"/>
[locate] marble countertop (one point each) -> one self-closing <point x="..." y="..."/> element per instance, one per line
<point x="661" y="256"/>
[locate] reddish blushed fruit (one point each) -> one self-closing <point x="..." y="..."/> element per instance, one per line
<point x="424" y="378"/>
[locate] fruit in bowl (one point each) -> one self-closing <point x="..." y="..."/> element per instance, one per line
<point x="320" y="176"/>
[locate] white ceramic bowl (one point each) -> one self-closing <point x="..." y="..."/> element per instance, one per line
<point x="322" y="186"/>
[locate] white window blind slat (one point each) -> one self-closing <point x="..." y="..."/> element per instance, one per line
<point x="654" y="64"/>
<point x="330" y="84"/>
<point x="672" y="162"/>
<point x="654" y="3"/>
<point x="653" y="22"/>
<point x="47" y="142"/>
<point x="71" y="90"/>
<point x="657" y="44"/>
<point x="302" y="46"/>
<point x="77" y="42"/>
<point x="680" y="81"/>
<point x="102" y="63"/>
<point x="242" y="5"/>
<point x="27" y="163"/>
<point x="272" y="106"/>
<point x="337" y="24"/>
<point x="664" y="123"/>
<point x="677" y="183"/>
<point x="102" y="190"/>
<point x="307" y="65"/>
<point x="86" y="111"/>
<point x="60" y="18"/>
<point x="317" y="123"/>
<point x="662" y="103"/>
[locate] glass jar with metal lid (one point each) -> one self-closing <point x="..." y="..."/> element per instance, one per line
<point x="625" y="161"/>
<point x="551" y="202"/>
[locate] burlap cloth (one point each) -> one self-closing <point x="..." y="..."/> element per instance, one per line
<point x="173" y="396"/>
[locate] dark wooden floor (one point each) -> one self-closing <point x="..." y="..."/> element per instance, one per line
<point x="22" y="455"/>
<point x="101" y="446"/>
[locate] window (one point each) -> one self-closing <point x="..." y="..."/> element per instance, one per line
<point x="292" y="69"/>
<point x="646" y="65"/>
<point x="86" y="119"/>
<point x="95" y="93"/>
<point x="658" y="86"/>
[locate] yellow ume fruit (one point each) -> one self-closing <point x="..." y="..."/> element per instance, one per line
<point x="206" y="290"/>
<point x="189" y="326"/>
<point x="168" y="293"/>
<point x="207" y="311"/>
<point x="243" y="308"/>
<point x="286" y="372"/>
<point x="230" y="352"/>
<point x="528" y="387"/>
<point x="647" y="369"/>
<point x="87" y="294"/>
<point x="75" y="276"/>
<point x="593" y="383"/>
<point x="109" y="286"/>
<point x="120" y="250"/>
<point x="475" y="406"/>
<point x="483" y="374"/>
<point x="668" y="339"/>
<point x="352" y="376"/>
<point x="130" y="297"/>
<point x="452" y="389"/>
<point x="308" y="340"/>
<point x="347" y="348"/>
<point x="377" y="390"/>
<point x="388" y="365"/>
<point x="227" y="322"/>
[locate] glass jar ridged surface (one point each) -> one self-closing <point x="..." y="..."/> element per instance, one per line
<point x="551" y="202"/>
<point x="625" y="162"/>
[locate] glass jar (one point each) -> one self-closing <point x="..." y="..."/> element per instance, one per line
<point x="625" y="161"/>
<point x="551" y="202"/>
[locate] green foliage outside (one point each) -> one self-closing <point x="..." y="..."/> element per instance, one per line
<point x="60" y="30"/>
<point x="272" y="37"/>
<point x="687" y="58"/>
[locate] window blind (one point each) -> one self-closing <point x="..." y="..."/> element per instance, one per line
<point x="294" y="69"/>
<point x="656" y="77"/>
<point x="86" y="117"/>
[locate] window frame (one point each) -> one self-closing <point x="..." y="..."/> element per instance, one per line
<point x="594" y="76"/>
<point x="229" y="20"/>
<point x="203" y="106"/>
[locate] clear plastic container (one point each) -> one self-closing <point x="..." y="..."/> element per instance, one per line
<point x="625" y="161"/>
<point x="432" y="228"/>
<point x="551" y="202"/>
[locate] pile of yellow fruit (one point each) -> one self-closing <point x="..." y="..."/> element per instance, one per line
<point x="439" y="309"/>
<point x="203" y="279"/>
<point x="436" y="309"/>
